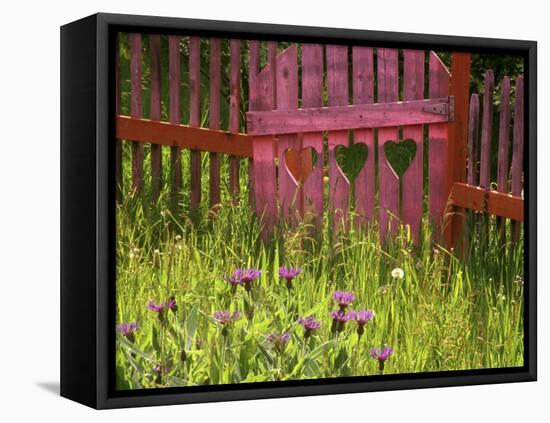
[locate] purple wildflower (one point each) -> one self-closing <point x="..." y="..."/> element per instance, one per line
<point x="279" y="340"/>
<point x="362" y="318"/>
<point x="128" y="330"/>
<point x="289" y="273"/>
<point x="172" y="305"/>
<point x="309" y="324"/>
<point x="381" y="354"/>
<point x="339" y="319"/>
<point x="343" y="298"/>
<point x="226" y="318"/>
<point x="243" y="277"/>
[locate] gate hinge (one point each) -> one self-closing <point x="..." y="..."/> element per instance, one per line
<point x="446" y="109"/>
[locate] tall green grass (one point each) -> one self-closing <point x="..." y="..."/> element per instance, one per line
<point x="448" y="313"/>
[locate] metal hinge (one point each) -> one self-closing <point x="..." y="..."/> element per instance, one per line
<point x="445" y="109"/>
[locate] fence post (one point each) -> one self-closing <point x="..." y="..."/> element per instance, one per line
<point x="458" y="140"/>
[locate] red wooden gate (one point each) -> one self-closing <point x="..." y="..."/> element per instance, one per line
<point x="284" y="131"/>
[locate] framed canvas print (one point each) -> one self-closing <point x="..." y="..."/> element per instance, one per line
<point x="255" y="211"/>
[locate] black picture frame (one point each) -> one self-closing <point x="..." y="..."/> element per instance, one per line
<point x="87" y="211"/>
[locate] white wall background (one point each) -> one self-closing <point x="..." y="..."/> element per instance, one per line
<point x="29" y="208"/>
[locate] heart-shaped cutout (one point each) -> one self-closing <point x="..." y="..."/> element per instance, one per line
<point x="400" y="155"/>
<point x="300" y="163"/>
<point x="352" y="159"/>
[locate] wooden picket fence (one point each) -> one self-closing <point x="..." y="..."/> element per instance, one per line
<point x="283" y="127"/>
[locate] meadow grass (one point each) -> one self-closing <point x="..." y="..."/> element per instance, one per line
<point x="449" y="312"/>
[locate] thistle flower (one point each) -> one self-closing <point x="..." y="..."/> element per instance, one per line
<point x="343" y="298"/>
<point x="279" y="340"/>
<point x="226" y="318"/>
<point x="362" y="318"/>
<point x="289" y="273"/>
<point x="397" y="273"/>
<point x="381" y="354"/>
<point x="243" y="277"/>
<point x="128" y="330"/>
<point x="309" y="324"/>
<point x="339" y="319"/>
<point x="172" y="305"/>
<point x="157" y="308"/>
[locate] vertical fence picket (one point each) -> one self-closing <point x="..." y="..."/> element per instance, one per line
<point x="288" y="145"/>
<point x="486" y="130"/>
<point x="118" y="145"/>
<point x="517" y="151"/>
<point x="388" y="186"/>
<point x="195" y="116"/>
<point x="438" y="137"/>
<point x="253" y="69"/>
<point x="312" y="96"/>
<point x="234" y="112"/>
<point x="174" y="83"/>
<point x="472" y="174"/>
<point x="503" y="148"/>
<point x="156" y="152"/>
<point x="136" y="110"/>
<point x="265" y="195"/>
<point x="363" y="93"/>
<point x="214" y="116"/>
<point x="337" y="82"/>
<point x="412" y="181"/>
<point x="272" y="60"/>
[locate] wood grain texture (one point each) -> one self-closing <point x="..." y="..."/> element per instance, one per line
<point x="289" y="164"/>
<point x="253" y="69"/>
<point x="156" y="152"/>
<point x="183" y="136"/>
<point x="412" y="182"/>
<point x="388" y="186"/>
<point x="379" y="115"/>
<point x="312" y="96"/>
<point x="517" y="151"/>
<point x="174" y="83"/>
<point x="438" y="143"/>
<point x="234" y="112"/>
<point x="214" y="117"/>
<point x="503" y="149"/>
<point x="486" y="130"/>
<point x="363" y="93"/>
<point x="265" y="194"/>
<point x="136" y="109"/>
<point x="195" y="116"/>
<point x="118" y="145"/>
<point x="457" y="142"/>
<point x="337" y="82"/>
<point x="492" y="202"/>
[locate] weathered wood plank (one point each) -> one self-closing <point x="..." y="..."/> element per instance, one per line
<point x="136" y="109"/>
<point x="457" y="142"/>
<point x="363" y="93"/>
<point x="118" y="145"/>
<point x="517" y="151"/>
<point x="378" y="115"/>
<point x="388" y="191"/>
<point x="214" y="116"/>
<point x="195" y="116"/>
<point x="174" y="82"/>
<point x="337" y="82"/>
<point x="183" y="136"/>
<point x="438" y="139"/>
<point x="412" y="181"/>
<point x="265" y="194"/>
<point x="492" y="202"/>
<point x="272" y="60"/>
<point x="289" y="164"/>
<point x="253" y="69"/>
<point x="156" y="153"/>
<point x="473" y="136"/>
<point x="234" y="112"/>
<point x="486" y="130"/>
<point x="503" y="148"/>
<point x="312" y="96"/>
